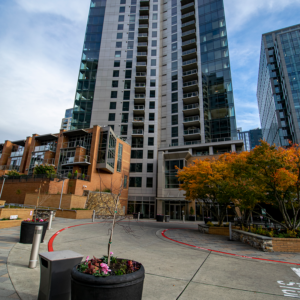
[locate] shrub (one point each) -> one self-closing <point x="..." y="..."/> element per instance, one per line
<point x="192" y="211"/>
<point x="44" y="169"/>
<point x="106" y="190"/>
<point x="13" y="173"/>
<point x="210" y="224"/>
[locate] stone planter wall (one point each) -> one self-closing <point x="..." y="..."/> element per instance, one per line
<point x="203" y="228"/>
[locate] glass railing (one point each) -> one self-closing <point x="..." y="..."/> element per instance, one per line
<point x="138" y="119"/>
<point x="192" y="143"/>
<point x="141" y="63"/>
<point x="188" y="32"/>
<point x="143" y="17"/>
<point x="190" y="95"/>
<point x="187" y="5"/>
<point x="137" y="85"/>
<point x="190" y="83"/>
<point x="74" y="144"/>
<point x="191" y="131"/>
<point x="141" y="53"/>
<point x="191" y="119"/>
<point x="144" y="8"/>
<point x="188" y="62"/>
<point x="142" y="44"/>
<point x="188" y="23"/>
<point x="190" y="106"/>
<point x="137" y="131"/>
<point x="188" y="15"/>
<point x="142" y="34"/>
<point x="222" y="139"/>
<point x="11" y="167"/>
<point x="189" y="51"/>
<point x="17" y="153"/>
<point x="139" y="107"/>
<point x="190" y="72"/>
<point x="203" y="153"/>
<point x="77" y="159"/>
<point x="45" y="148"/>
<point x="189" y="42"/>
<point x="141" y="74"/>
<point x="143" y="26"/>
<point x="139" y="96"/>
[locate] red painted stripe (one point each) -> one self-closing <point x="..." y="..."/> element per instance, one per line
<point x="232" y="254"/>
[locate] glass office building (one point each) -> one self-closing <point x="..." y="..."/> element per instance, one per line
<point x="278" y="89"/>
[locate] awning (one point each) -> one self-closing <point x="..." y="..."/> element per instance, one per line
<point x="19" y="143"/>
<point x="46" y="137"/>
<point x="77" y="132"/>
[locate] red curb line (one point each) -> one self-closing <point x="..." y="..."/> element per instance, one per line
<point x="232" y="254"/>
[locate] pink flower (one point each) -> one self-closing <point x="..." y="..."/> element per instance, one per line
<point x="41" y="220"/>
<point x="111" y="253"/>
<point x="87" y="259"/>
<point x="104" y="268"/>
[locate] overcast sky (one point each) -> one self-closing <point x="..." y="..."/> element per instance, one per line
<point x="40" y="49"/>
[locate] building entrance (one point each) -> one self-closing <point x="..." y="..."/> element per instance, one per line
<point x="176" y="209"/>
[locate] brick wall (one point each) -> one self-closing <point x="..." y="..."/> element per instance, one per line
<point x="286" y="245"/>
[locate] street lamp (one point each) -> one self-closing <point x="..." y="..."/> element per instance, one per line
<point x="62" y="189"/>
<point x="4" y="177"/>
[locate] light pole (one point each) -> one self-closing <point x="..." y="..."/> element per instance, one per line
<point x="62" y="189"/>
<point x="4" y="177"/>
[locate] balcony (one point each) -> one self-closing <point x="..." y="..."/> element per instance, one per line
<point x="188" y="26"/>
<point x="191" y="109"/>
<point x="143" y="28"/>
<point x="17" y="153"/>
<point x="187" y="8"/>
<point x="140" y="76"/>
<point x="144" y="2"/>
<point x="139" y="109"/>
<point x="141" y="66"/>
<point x="82" y="160"/>
<point x="189" y="64"/>
<point x="143" y="19"/>
<point x="192" y="121"/>
<point x="140" y="87"/>
<point x="195" y="142"/>
<point x="45" y="148"/>
<point x="138" y="120"/>
<point x="190" y="98"/>
<point x="142" y="46"/>
<point x="139" y="96"/>
<point x="187" y="35"/>
<point x="141" y="56"/>
<point x="191" y="134"/>
<point x="138" y="132"/>
<point x="74" y="144"/>
<point x="189" y="54"/>
<point x="189" y="75"/>
<point x="144" y="10"/>
<point x="190" y="86"/>
<point x="189" y="44"/>
<point x="188" y="17"/>
<point x="143" y="37"/>
<point x="10" y="168"/>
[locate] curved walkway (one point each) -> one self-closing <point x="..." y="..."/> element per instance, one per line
<point x="222" y="245"/>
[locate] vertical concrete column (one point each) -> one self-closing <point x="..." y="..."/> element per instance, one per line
<point x="211" y="150"/>
<point x="233" y="149"/>
<point x="6" y="153"/>
<point x="26" y="154"/>
<point x="31" y="149"/>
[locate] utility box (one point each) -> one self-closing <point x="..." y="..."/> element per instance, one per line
<point x="55" y="282"/>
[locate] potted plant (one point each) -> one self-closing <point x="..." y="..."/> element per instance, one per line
<point x="83" y="176"/>
<point x="192" y="217"/>
<point x="76" y="174"/>
<point x="159" y="218"/>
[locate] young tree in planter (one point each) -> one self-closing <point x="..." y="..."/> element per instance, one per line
<point x="44" y="169"/>
<point x="209" y="181"/>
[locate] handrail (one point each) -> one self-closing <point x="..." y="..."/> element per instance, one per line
<point x="17" y="153"/>
<point x="188" y="23"/>
<point x="189" y="95"/>
<point x="75" y="159"/>
<point x="50" y="147"/>
<point x="139" y="107"/>
<point x="191" y="106"/>
<point x="187" y="5"/>
<point x="143" y="26"/>
<point x="189" y="51"/>
<point x="144" y="17"/>
<point x="188" y="32"/>
<point x="188" y="62"/>
<point x="141" y="73"/>
<point x="141" y="53"/>
<point x="137" y="131"/>
<point x="187" y="15"/>
<point x="140" y="85"/>
<point x="140" y="96"/>
<point x="189" y="83"/>
<point x="141" y="63"/>
<point x="142" y="44"/>
<point x="138" y="119"/>
<point x="191" y="119"/>
<point x="189" y="42"/>
<point x="142" y="34"/>
<point x="190" y="72"/>
<point x="191" y="131"/>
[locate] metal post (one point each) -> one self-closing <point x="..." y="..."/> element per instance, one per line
<point x="93" y="217"/>
<point x="35" y="246"/>
<point x="183" y="218"/>
<point x="230" y="232"/>
<point x="139" y="216"/>
<point x="62" y="189"/>
<point x="50" y="220"/>
<point x="2" y="186"/>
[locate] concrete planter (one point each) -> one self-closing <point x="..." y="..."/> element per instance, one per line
<point x="214" y="230"/>
<point x="27" y="231"/>
<point x="74" y="214"/>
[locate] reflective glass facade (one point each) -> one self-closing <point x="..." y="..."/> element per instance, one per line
<point x="218" y="102"/>
<point x="88" y="67"/>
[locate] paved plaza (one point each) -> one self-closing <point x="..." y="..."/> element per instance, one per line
<point x="173" y="270"/>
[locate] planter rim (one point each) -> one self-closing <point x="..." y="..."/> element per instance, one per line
<point x="258" y="236"/>
<point x="110" y="280"/>
<point x="34" y="223"/>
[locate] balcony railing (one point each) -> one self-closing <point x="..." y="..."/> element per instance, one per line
<point x="192" y="143"/>
<point x="212" y="140"/>
<point x="10" y="168"/>
<point x="143" y="17"/>
<point x="187" y="5"/>
<point x="188" y="15"/>
<point x="189" y="42"/>
<point x="45" y="148"/>
<point x="189" y="51"/>
<point x="143" y="26"/>
<point x="139" y="96"/>
<point x="202" y="153"/>
<point x="188" y="23"/>
<point x="190" y="95"/>
<point x="189" y="62"/>
<point x="142" y="44"/>
<point x="143" y="35"/>
<point x="74" y="144"/>
<point x="142" y="54"/>
<point x="190" y="83"/>
<point x="137" y="131"/>
<point x="141" y="74"/>
<point x="189" y="72"/>
<point x="38" y="162"/>
<point x="191" y="131"/>
<point x="76" y="159"/>
<point x="139" y="107"/>
<point x="17" y="153"/>
<point x="138" y="119"/>
<point x="137" y="85"/>
<point x="144" y="8"/>
<point x="190" y="106"/>
<point x="191" y="119"/>
<point x="188" y="32"/>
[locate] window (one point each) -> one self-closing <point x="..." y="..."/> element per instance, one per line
<point x="113" y="105"/>
<point x="151" y="105"/>
<point x="174" y="3"/>
<point x="119" y="35"/>
<point x="122" y="1"/>
<point x="154" y="17"/>
<point x="136" y="167"/>
<point x="152" y="94"/>
<point x="151" y="129"/>
<point x="113" y="94"/>
<point x="131" y="27"/>
<point x="115" y="83"/>
<point x="153" y="52"/>
<point x="116" y="63"/>
<point x="133" y="9"/>
<point x="130" y="45"/>
<point x="122" y="10"/>
<point x="154" y="34"/>
<point x="171" y="181"/>
<point x="152" y="82"/>
<point x="174" y="28"/>
<point x="149" y="168"/>
<point x="174" y="86"/>
<point x="130" y="54"/>
<point x="128" y="74"/>
<point x="154" y="25"/>
<point x="149" y="182"/>
<point x="174" y="75"/>
<point x="175" y="120"/>
<point x="174" y="97"/>
<point x="174" y="56"/>
<point x="135" y="182"/>
<point x="174" y="131"/>
<point x="174" y="65"/>
<point x="126" y="95"/>
<point x="128" y="64"/>
<point x="115" y="73"/>
<point x="154" y="43"/>
<point x="137" y="142"/>
<point x="120" y="26"/>
<point x="153" y="62"/>
<point x="127" y="84"/>
<point x="174" y="11"/>
<point x="174" y="20"/>
<point x="151" y="116"/>
<point x="150" y="154"/>
<point x="174" y="108"/>
<point x="125" y="106"/>
<point x="124" y="118"/>
<point x="138" y="154"/>
<point x="153" y="72"/>
<point x="174" y="46"/>
<point x="155" y="7"/>
<point x="133" y="2"/>
<point x="121" y="18"/>
<point x="125" y="182"/>
<point x="118" y="44"/>
<point x="119" y="161"/>
<point x="111" y="117"/>
<point x="174" y="142"/>
<point x="117" y="53"/>
<point x="131" y="18"/>
<point x="150" y="141"/>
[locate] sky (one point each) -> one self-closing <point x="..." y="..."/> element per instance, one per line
<point x="40" y="49"/>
